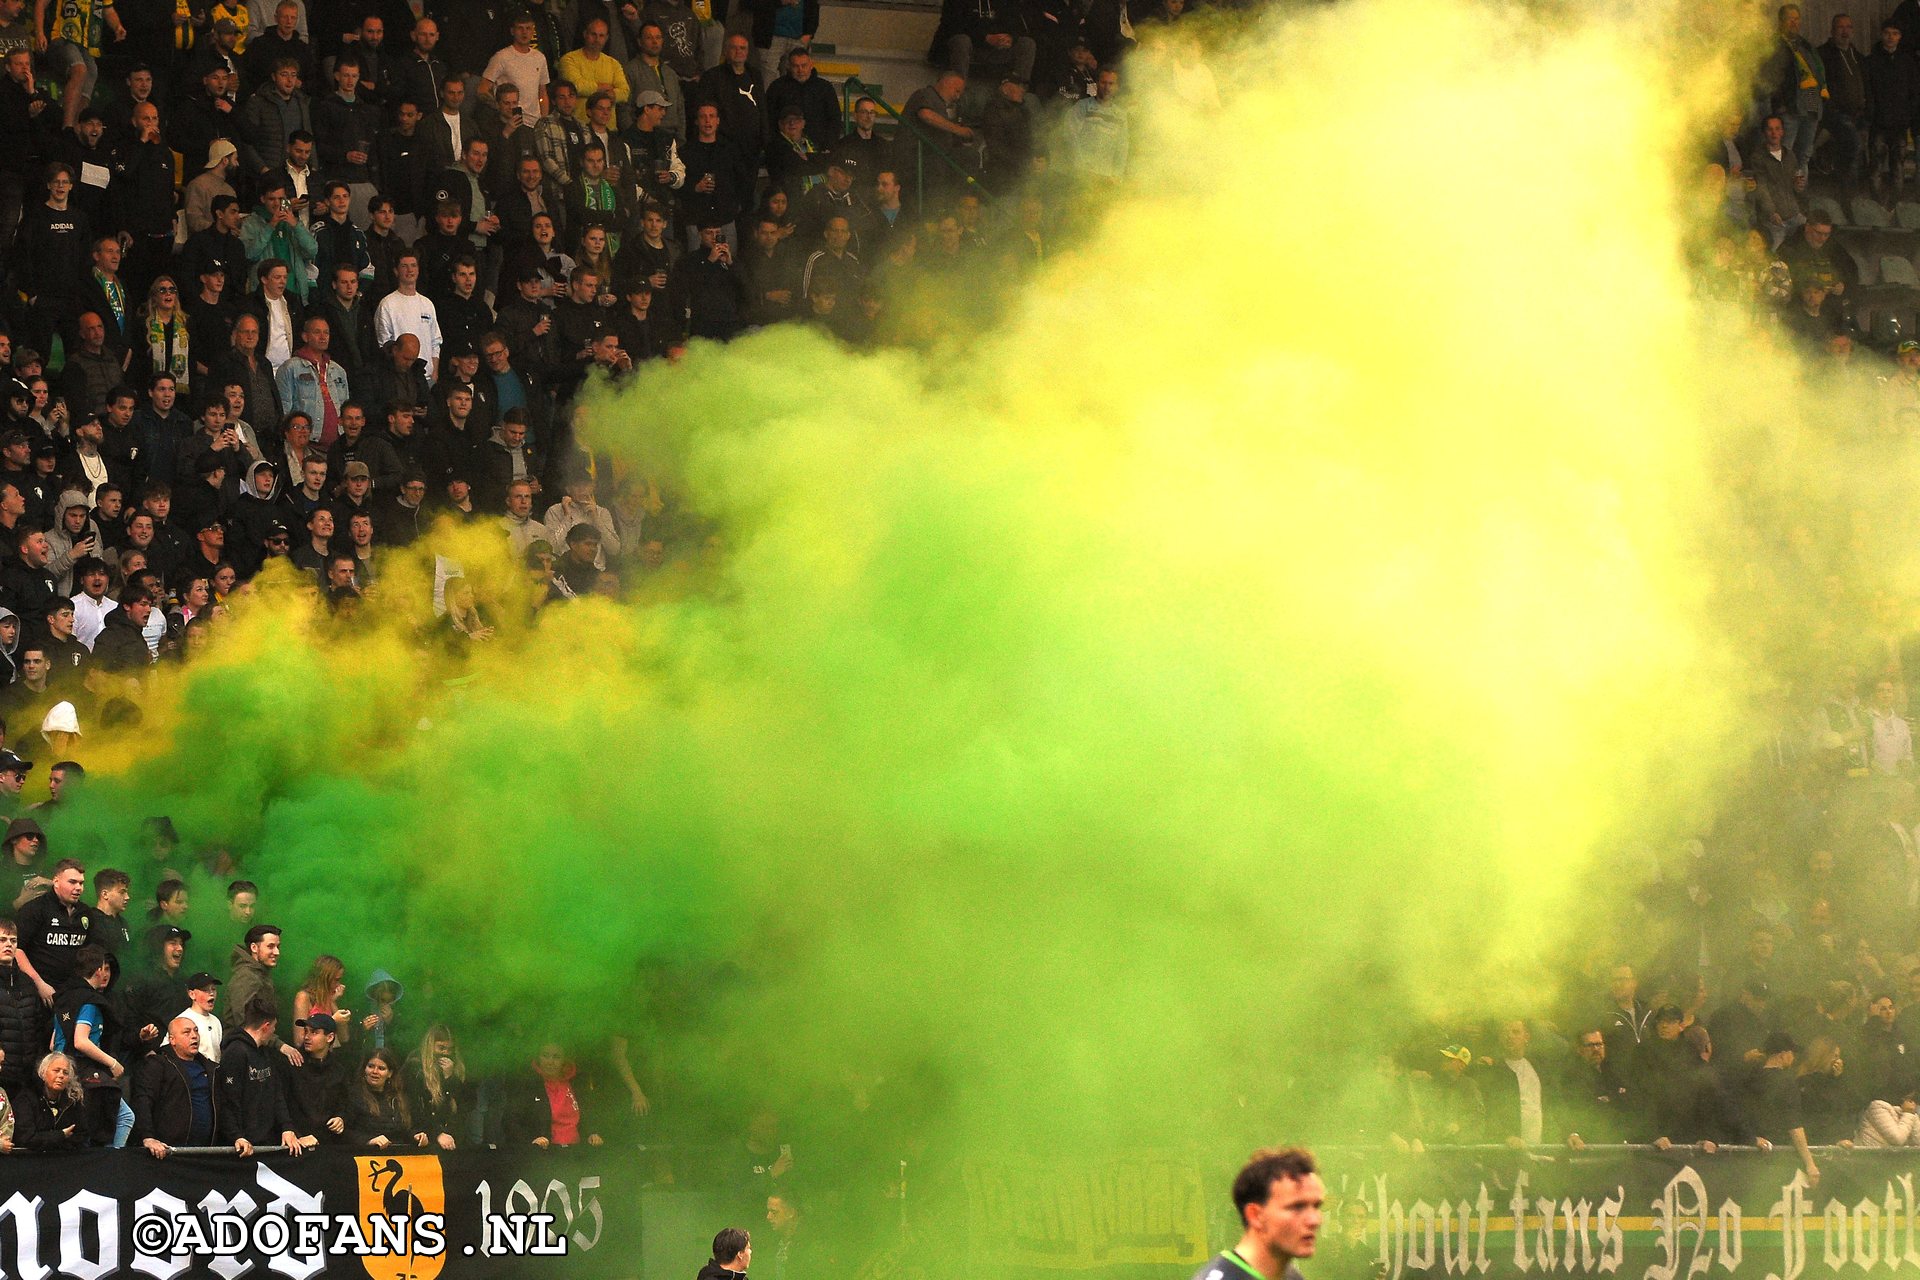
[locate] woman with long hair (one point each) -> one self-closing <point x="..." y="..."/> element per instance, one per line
<point x="320" y="992"/>
<point x="164" y="326"/>
<point x="377" y="1110"/>
<point x="436" y="1085"/>
<point x="595" y="255"/>
<point x="48" y="410"/>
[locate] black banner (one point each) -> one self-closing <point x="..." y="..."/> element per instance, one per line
<point x="405" y="1216"/>
<point x="1645" y="1214"/>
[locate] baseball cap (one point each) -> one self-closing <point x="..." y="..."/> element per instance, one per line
<point x="651" y="98"/>
<point x="318" y="1022"/>
<point x="219" y="151"/>
<point x="225" y="27"/>
<point x="201" y="981"/>
<point x="1458" y="1053"/>
<point x="11" y="763"/>
<point x="358" y="471"/>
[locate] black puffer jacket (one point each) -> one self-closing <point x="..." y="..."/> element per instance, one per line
<point x="23" y="1027"/>
<point x="121" y="646"/>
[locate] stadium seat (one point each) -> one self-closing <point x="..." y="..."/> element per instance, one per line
<point x="1831" y="207"/>
<point x="1868" y="212"/>
<point x="1897" y="270"/>
<point x="1907" y="214"/>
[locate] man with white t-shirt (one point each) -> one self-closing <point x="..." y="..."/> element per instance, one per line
<point x="407" y="310"/>
<point x="521" y="65"/>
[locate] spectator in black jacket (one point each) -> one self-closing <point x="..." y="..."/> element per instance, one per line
<point x="987" y="31"/>
<point x="317" y="1088"/>
<point x="550" y="1107"/>
<point x="253" y="1108"/>
<point x="176" y="1101"/>
<point x="346" y="129"/>
<point x="144" y="200"/>
<point x="378" y="1114"/>
<point x="47" y="1112"/>
<point x="1893" y="91"/>
<point x="22" y="108"/>
<point x="23" y="1027"/>
<point x="734" y="87"/>
<point x="814" y="97"/>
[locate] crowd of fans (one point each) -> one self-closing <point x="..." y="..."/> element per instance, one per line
<point x="293" y="284"/>
<point x="1773" y="993"/>
<point x="317" y="283"/>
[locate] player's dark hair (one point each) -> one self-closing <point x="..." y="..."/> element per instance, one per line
<point x="1276" y="1164"/>
<point x="728" y="1244"/>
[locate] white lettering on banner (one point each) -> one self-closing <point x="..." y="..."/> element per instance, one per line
<point x="1681" y="1208"/>
<point x="289" y="1200"/>
<point x="158" y="1204"/>
<point x="24" y="1215"/>
<point x="1461" y="1231"/>
<point x="1791" y="1209"/>
<point x="106" y="1233"/>
<point x="226" y="1215"/>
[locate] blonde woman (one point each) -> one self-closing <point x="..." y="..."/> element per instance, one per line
<point x="165" y="331"/>
<point x="436" y="1082"/>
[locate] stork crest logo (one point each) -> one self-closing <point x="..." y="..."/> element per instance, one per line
<point x="395" y="1191"/>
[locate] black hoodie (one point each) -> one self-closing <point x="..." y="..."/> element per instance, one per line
<point x="252" y="1105"/>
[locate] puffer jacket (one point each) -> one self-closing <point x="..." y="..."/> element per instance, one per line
<point x="23" y="1027"/>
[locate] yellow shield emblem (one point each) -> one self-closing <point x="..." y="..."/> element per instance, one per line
<point x="394" y="1192"/>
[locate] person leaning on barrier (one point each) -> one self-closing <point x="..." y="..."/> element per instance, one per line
<point x="253" y="1108"/>
<point x="48" y="1113"/>
<point x="175" y="1099"/>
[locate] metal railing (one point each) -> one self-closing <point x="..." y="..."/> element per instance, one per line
<point x="855" y="88"/>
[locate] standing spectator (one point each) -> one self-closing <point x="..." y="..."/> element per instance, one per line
<point x="435" y="1080"/>
<point x="736" y="91"/>
<point x="276" y="111"/>
<point x="53" y="248"/>
<point x="1893" y="97"/>
<point x="1846" y="108"/>
<point x="404" y="164"/>
<point x="312" y="383"/>
<point x="720" y="176"/>
<point x="175" y="1103"/>
<point x="417" y="75"/>
<point x="279" y="314"/>
<point x="210" y="184"/>
<point x="253" y="1106"/>
<point x="405" y="312"/>
<point x="349" y="318"/>
<point x="284" y="39"/>
<point x="317" y="1088"/>
<point x="523" y="66"/>
<point x="73" y="39"/>
<point x="22" y="1029"/>
<point x="1773" y="1100"/>
<point x="53" y="929"/>
<point x="650" y="72"/>
<point x="1597" y="1101"/>
<point x="377" y="1110"/>
<point x="272" y="233"/>
<point x="1890" y="735"/>
<point x="345" y="128"/>
<point x="590" y="68"/>
<point x="21" y="106"/>
<point x="551" y="1107"/>
<point x="814" y="98"/>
